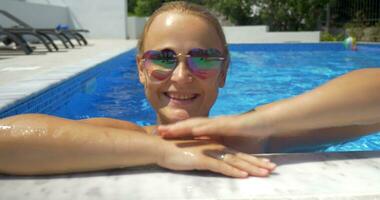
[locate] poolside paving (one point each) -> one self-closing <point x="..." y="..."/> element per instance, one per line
<point x="333" y="176"/>
<point x="353" y="175"/>
<point x="23" y="75"/>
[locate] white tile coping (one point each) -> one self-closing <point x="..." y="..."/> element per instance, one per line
<point x="22" y="76"/>
<point x="333" y="176"/>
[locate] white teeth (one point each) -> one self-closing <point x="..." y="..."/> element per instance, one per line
<point x="180" y="96"/>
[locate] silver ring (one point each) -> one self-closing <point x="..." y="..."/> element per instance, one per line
<point x="220" y="155"/>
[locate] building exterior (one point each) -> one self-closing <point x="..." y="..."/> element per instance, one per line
<point x="104" y="19"/>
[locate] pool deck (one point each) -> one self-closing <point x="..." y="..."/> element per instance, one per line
<point x="23" y="75"/>
<point x="332" y="176"/>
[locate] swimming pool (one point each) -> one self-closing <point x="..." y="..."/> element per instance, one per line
<point x="259" y="74"/>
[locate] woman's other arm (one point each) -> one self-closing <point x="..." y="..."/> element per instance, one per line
<point x="352" y="99"/>
<point x="346" y="107"/>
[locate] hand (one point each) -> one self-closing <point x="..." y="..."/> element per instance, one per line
<point x="208" y="155"/>
<point x="247" y="125"/>
<point x="247" y="133"/>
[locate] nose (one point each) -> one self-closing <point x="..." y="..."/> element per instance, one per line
<point x="181" y="73"/>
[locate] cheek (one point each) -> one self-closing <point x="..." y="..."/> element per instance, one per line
<point x="150" y="90"/>
<point x="205" y="74"/>
<point x="152" y="93"/>
<point x="210" y="88"/>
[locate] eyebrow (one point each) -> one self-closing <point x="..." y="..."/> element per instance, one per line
<point x="169" y="48"/>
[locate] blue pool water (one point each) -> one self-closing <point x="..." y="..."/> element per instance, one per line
<point x="258" y="74"/>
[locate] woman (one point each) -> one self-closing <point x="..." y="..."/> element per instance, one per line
<point x="182" y="61"/>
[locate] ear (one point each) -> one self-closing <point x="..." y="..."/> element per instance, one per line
<point x="139" y="63"/>
<point x="222" y="78"/>
<point x="223" y="73"/>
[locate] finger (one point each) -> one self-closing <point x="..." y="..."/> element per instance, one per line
<point x="181" y="129"/>
<point x="246" y="166"/>
<point x="221" y="167"/>
<point x="259" y="162"/>
<point x="217" y="127"/>
<point x="201" y="127"/>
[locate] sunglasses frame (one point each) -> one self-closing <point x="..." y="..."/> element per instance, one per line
<point x="187" y="56"/>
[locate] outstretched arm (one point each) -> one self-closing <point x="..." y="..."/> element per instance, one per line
<point x="35" y="144"/>
<point x="41" y="144"/>
<point x="352" y="99"/>
<point x="350" y="102"/>
<point x="113" y="123"/>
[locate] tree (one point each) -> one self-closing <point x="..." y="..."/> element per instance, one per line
<point x="238" y="12"/>
<point x="279" y="15"/>
<point x="291" y="15"/>
<point x="147" y="7"/>
<point x="131" y="6"/>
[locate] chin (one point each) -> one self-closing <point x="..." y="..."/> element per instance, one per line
<point x="172" y="116"/>
<point x="176" y="115"/>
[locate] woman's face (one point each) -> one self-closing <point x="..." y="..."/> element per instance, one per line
<point x="182" y="95"/>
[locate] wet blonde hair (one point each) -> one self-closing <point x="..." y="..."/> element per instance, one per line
<point x="188" y="8"/>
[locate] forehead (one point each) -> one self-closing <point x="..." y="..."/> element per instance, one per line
<point x="181" y="32"/>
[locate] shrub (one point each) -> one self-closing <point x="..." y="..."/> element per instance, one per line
<point x="326" y="36"/>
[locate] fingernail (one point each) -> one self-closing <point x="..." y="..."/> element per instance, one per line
<point x="265" y="159"/>
<point x="161" y="133"/>
<point x="272" y="165"/>
<point x="243" y="174"/>
<point x="164" y="134"/>
<point x="263" y="171"/>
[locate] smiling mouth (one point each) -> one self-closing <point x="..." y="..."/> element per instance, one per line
<point x="181" y="97"/>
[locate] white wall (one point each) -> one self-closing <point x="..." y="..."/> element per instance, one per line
<point x="48" y="2"/>
<point x="36" y="15"/>
<point x="260" y="34"/>
<point x="238" y="32"/>
<point x="104" y="19"/>
<point x="301" y="36"/>
<point x="136" y="26"/>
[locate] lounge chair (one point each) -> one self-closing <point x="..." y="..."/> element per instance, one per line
<point x="25" y="27"/>
<point x="8" y="37"/>
<point x="63" y="35"/>
<point x="20" y="32"/>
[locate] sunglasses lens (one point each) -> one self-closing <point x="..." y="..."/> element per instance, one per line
<point x="160" y="63"/>
<point x="205" y="63"/>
